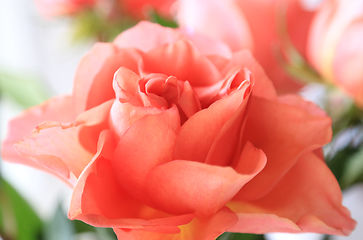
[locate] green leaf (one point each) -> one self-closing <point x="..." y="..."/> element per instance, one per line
<point x="240" y="236"/>
<point x="23" y="89"/>
<point x="353" y="172"/>
<point x="156" y="18"/>
<point x="105" y="234"/>
<point x="59" y="228"/>
<point x="17" y="219"/>
<point x="339" y="161"/>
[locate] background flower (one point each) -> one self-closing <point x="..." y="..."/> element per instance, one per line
<point x="335" y="48"/>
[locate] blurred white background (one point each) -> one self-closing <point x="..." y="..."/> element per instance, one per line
<point x="43" y="47"/>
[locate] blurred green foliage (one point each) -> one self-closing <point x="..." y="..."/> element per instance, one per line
<point x="18" y="221"/>
<point x="24" y="89"/>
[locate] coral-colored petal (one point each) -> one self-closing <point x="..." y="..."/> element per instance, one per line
<point x="198" y="133"/>
<point x="297" y="101"/>
<point x="308" y="195"/>
<point x="227" y="144"/>
<point x="56" y="147"/>
<point x="263" y="86"/>
<point x="188" y="101"/>
<point x="260" y="223"/>
<point x="94" y="76"/>
<point x="283" y="133"/>
<point x="98" y="199"/>
<point x="124" y="115"/>
<point x="207" y="46"/>
<point x="250" y="161"/>
<point x="183" y="61"/>
<point x="182" y="187"/>
<point x="147" y="36"/>
<point x="145" y="145"/>
<point x="221" y="20"/>
<point x="198" y="229"/>
<point x="56" y="109"/>
<point x="125" y="84"/>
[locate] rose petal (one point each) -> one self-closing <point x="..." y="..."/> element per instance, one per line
<point x="260" y="223"/>
<point x="93" y="80"/>
<point x="227" y="144"/>
<point x="251" y="160"/>
<point x="155" y="34"/>
<point x="198" y="229"/>
<point x="198" y="133"/>
<point x="56" y="109"/>
<point x="125" y="84"/>
<point x="188" y="101"/>
<point x="56" y="147"/>
<point x="173" y="59"/>
<point x="182" y="187"/>
<point x="297" y="101"/>
<point x="308" y="195"/>
<point x="263" y="86"/>
<point x="145" y="145"/>
<point x="124" y="115"/>
<point x="98" y="199"/>
<point x="283" y="133"/>
<point x="207" y="46"/>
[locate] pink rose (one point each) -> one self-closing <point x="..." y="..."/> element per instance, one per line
<point x="250" y="24"/>
<point x="62" y="7"/>
<point x="335" y="45"/>
<point x="165" y="138"/>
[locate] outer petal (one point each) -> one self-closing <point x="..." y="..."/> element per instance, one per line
<point x="198" y="133"/>
<point x="93" y="81"/>
<point x="66" y="148"/>
<point x="98" y="199"/>
<point x="198" y="229"/>
<point x="56" y="147"/>
<point x="147" y="36"/>
<point x="56" y="109"/>
<point x="216" y="19"/>
<point x="298" y="101"/>
<point x="283" y="133"/>
<point x="183" y="187"/>
<point x="147" y="144"/>
<point x="208" y="46"/>
<point x="182" y="60"/>
<point x="308" y="195"/>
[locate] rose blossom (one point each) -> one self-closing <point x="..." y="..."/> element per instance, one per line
<point x="164" y="138"/>
<point x="251" y="24"/>
<point x="335" y="45"/>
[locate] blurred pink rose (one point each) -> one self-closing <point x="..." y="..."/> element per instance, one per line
<point x="335" y="46"/>
<point x="250" y="24"/>
<point x="52" y="8"/>
<point x="171" y="136"/>
<point x="140" y="8"/>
